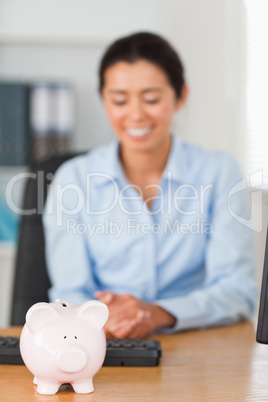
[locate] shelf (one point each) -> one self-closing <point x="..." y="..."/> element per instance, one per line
<point x="57" y="40"/>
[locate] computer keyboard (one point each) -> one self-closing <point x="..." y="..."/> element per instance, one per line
<point x="120" y="352"/>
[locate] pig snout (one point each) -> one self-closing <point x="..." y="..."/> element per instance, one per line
<point x="72" y="360"/>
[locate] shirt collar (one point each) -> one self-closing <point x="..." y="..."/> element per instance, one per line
<point x="175" y="169"/>
<point x="110" y="166"/>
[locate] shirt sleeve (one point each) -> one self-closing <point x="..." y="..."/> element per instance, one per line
<point x="67" y="256"/>
<point x="229" y="292"/>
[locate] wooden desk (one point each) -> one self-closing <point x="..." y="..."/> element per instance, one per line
<point x="219" y="364"/>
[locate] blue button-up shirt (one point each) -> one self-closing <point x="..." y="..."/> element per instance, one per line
<point x="191" y="252"/>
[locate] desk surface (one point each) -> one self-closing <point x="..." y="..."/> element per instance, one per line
<point x="218" y="364"/>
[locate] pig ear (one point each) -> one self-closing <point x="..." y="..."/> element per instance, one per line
<point x="96" y="311"/>
<point x="38" y="314"/>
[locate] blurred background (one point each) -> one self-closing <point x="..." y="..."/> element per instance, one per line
<point x="49" y="101"/>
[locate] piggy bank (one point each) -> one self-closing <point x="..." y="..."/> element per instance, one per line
<point x="62" y="342"/>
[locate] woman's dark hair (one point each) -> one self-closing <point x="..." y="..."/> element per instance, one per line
<point x="146" y="46"/>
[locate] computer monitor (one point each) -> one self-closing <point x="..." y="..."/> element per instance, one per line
<point x="262" y="328"/>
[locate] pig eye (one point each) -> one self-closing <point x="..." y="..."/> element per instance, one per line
<point x="65" y="337"/>
<point x="75" y="337"/>
<point x="64" y="304"/>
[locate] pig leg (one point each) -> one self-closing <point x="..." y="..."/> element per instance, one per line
<point x="35" y="381"/>
<point x="83" y="387"/>
<point x="47" y="387"/>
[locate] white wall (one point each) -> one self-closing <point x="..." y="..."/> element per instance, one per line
<point x="209" y="36"/>
<point x="79" y="18"/>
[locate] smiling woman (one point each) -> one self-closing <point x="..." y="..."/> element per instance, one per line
<point x="120" y="245"/>
<point x="141" y="91"/>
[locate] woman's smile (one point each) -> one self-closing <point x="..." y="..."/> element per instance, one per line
<point x="138" y="132"/>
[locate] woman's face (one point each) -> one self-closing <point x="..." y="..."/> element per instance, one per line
<point x="140" y="103"/>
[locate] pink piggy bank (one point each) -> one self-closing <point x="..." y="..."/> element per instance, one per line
<point x="62" y="342"/>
